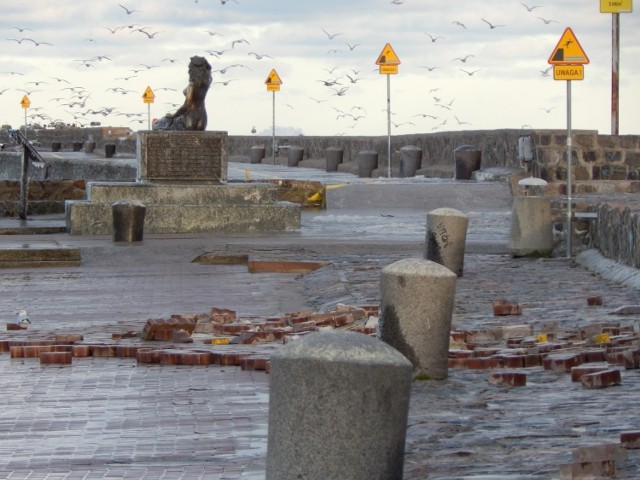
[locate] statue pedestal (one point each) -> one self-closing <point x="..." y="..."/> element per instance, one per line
<point x="182" y="184"/>
<point x="182" y="157"/>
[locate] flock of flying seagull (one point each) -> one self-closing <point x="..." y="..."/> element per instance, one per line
<point x="341" y="81"/>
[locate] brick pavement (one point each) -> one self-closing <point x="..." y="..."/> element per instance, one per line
<point x="117" y="418"/>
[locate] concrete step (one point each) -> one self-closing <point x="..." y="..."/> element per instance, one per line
<point x="229" y="194"/>
<point x="87" y="218"/>
<point x="38" y="255"/>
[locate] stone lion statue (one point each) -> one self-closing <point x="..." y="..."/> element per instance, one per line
<point x="192" y="115"/>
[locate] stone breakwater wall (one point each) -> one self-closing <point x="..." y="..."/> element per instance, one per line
<point x="594" y="156"/>
<point x="616" y="232"/>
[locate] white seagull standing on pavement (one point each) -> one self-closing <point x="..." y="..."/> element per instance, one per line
<point x="23" y="318"/>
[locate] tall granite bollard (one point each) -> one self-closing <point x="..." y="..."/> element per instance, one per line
<point x="294" y="156"/>
<point x="333" y="157"/>
<point x="109" y="150"/>
<point x="367" y="163"/>
<point x="531" y="230"/>
<point x="446" y="238"/>
<point x="257" y="153"/>
<point x="128" y="221"/>
<point x="417" y="298"/>
<point x="338" y="407"/>
<point x="410" y="160"/>
<point x="467" y="159"/>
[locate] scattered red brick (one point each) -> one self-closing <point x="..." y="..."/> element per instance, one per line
<point x="509" y="379"/>
<point x="68" y="339"/>
<point x="579" y="371"/>
<point x="505" y="307"/>
<point x="59" y="358"/>
<point x="606" y="378"/>
<point x="630" y="440"/>
<point x="15" y="326"/>
<point x="593" y="301"/>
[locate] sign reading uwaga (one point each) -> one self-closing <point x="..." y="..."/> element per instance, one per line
<point x="388" y="61"/>
<point x="568" y="58"/>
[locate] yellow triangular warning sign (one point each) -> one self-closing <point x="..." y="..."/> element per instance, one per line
<point x="388" y="56"/>
<point x="568" y="51"/>
<point x="273" y="78"/>
<point x="148" y="96"/>
<point x="25" y="102"/>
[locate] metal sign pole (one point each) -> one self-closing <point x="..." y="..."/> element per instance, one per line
<point x="615" y="73"/>
<point x="388" y="126"/>
<point x="148" y="116"/>
<point x="569" y="171"/>
<point x="273" y="130"/>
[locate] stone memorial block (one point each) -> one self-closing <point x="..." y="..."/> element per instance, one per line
<point x="182" y="156"/>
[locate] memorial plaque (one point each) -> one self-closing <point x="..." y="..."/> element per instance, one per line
<point x="182" y="157"/>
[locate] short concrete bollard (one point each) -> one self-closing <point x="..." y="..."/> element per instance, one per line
<point x="338" y="407"/>
<point x="56" y="146"/>
<point x="257" y="153"/>
<point x="531" y="230"/>
<point x="417" y="298"/>
<point x="128" y="221"/>
<point x="109" y="150"/>
<point x="89" y="147"/>
<point x="446" y="238"/>
<point x="76" y="146"/>
<point x="410" y="160"/>
<point x="294" y="156"/>
<point x="367" y="163"/>
<point x="333" y="157"/>
<point x="467" y="160"/>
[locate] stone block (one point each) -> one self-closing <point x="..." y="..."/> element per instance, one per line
<point x="531" y="230"/>
<point x="603" y="379"/>
<point x="612" y="451"/>
<point x="562" y="361"/>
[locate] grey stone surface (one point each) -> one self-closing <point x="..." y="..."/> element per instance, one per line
<point x="531" y="226"/>
<point x="337" y="409"/>
<point x="416" y="303"/>
<point x="446" y="238"/>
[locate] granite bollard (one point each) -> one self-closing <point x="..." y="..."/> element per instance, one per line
<point x="333" y="157"/>
<point x="410" y="160"/>
<point x="531" y="231"/>
<point x="77" y="146"/>
<point x="128" y="221"/>
<point x="467" y="160"/>
<point x="367" y="163"/>
<point x="294" y="156"/>
<point x="446" y="238"/>
<point x="109" y="150"/>
<point x="338" y="407"/>
<point x="257" y="153"/>
<point x="56" y="146"/>
<point x="416" y="305"/>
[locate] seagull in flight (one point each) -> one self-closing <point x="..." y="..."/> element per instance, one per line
<point x="530" y="8"/>
<point x="548" y="110"/>
<point x="431" y="69"/>
<point x="330" y="35"/>
<point x="259" y="56"/>
<point x="463" y="59"/>
<point x="213" y="34"/>
<point x="240" y="40"/>
<point x="460" y="24"/>
<point x="129" y="11"/>
<point x="547" y="22"/>
<point x="434" y="39"/>
<point x="470" y="73"/>
<point x="545" y="72"/>
<point x="461" y="122"/>
<point x="491" y="25"/>
<point x="351" y="47"/>
<point x="22" y="29"/>
<point x="37" y="44"/>
<point x="224" y="2"/>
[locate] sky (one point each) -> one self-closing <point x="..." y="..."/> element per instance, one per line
<point x="79" y="60"/>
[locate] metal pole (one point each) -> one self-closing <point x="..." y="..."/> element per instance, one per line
<point x="148" y="116"/>
<point x="569" y="172"/>
<point x="273" y="130"/>
<point x="615" y="72"/>
<point x="388" y="126"/>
